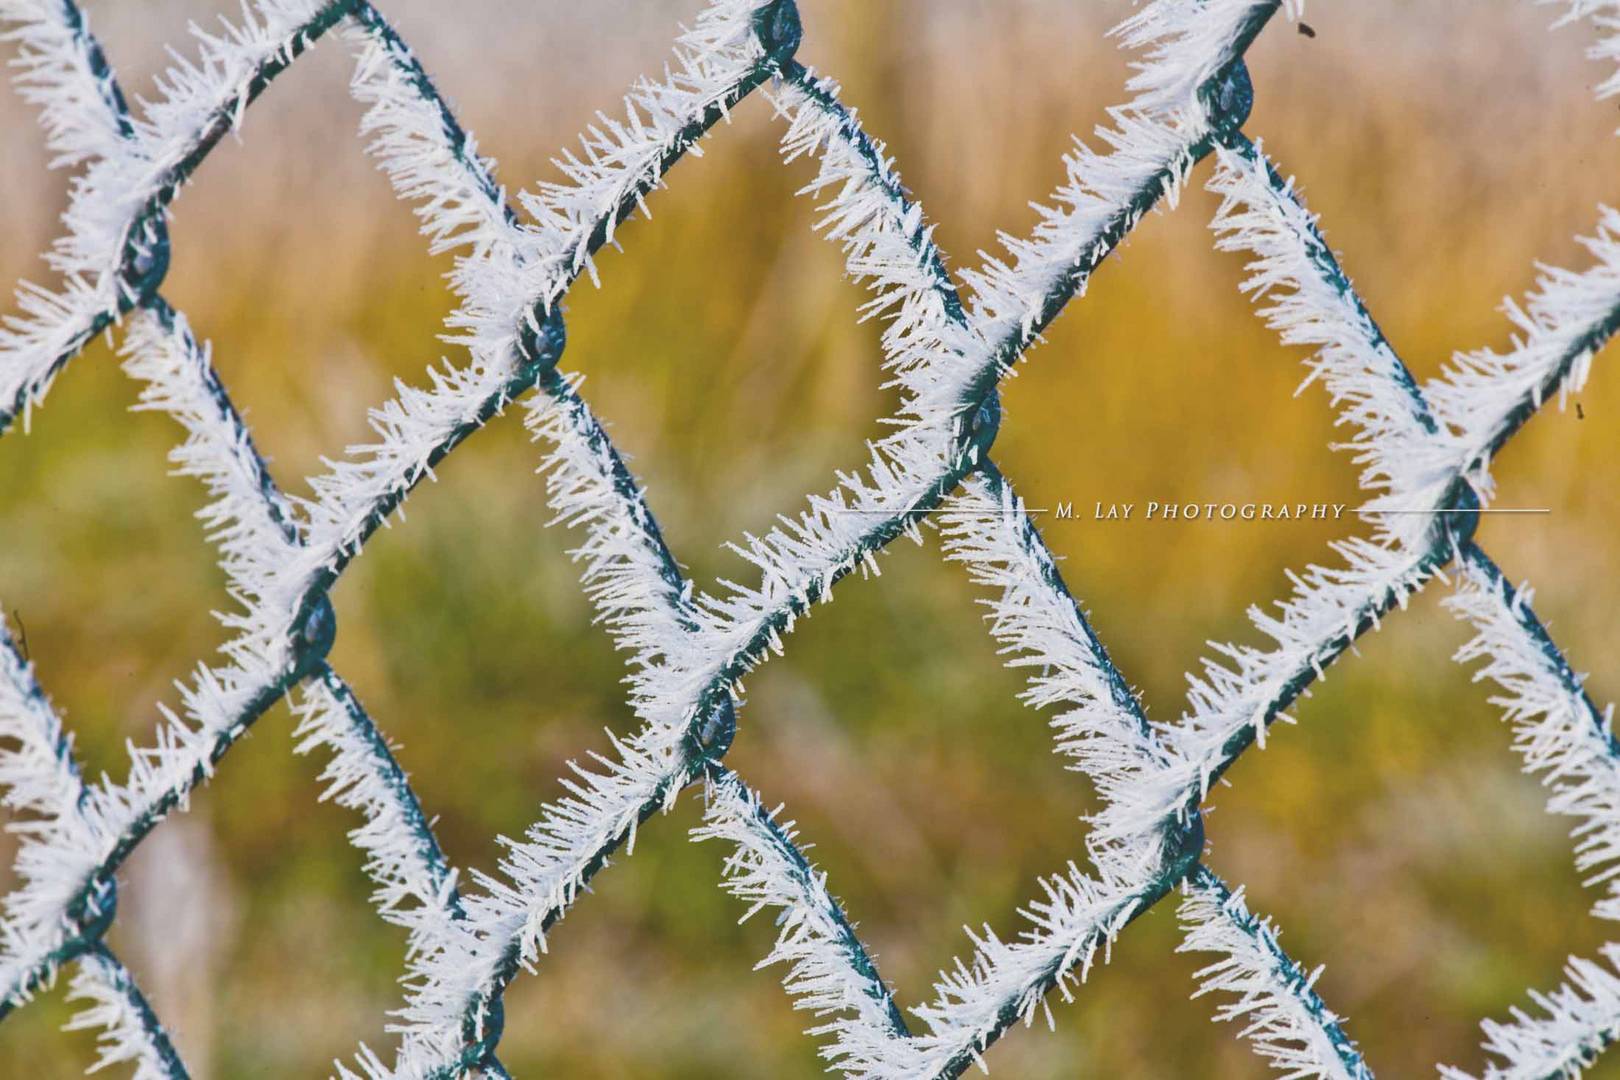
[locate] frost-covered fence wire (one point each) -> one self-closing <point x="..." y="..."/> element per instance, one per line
<point x="1426" y="448"/>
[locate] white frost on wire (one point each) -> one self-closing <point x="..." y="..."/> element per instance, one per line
<point x="57" y="838"/>
<point x="1185" y="44"/>
<point x="175" y="369"/>
<point x="1577" y="1022"/>
<point x="458" y="962"/>
<point x="1478" y="403"/>
<point x="622" y="563"/>
<point x="241" y="519"/>
<point x="1559" y="327"/>
<point x="1308" y="302"/>
<point x="1275" y="999"/>
<point x="814" y="939"/>
<point x="1475" y="405"/>
<point x="460" y="209"/>
<point x="1561" y="324"/>
<point x="507" y="916"/>
<point x="39" y="783"/>
<point x="451" y="981"/>
<point x="414" y="887"/>
<point x="1571" y="745"/>
<point x="1404" y="463"/>
<point x="620" y="160"/>
<point x="1312" y="303"/>
<point x="886" y="240"/>
<point x="1143" y="782"/>
<point x="1010" y="292"/>
<point x="127" y="1032"/>
<point x="65" y="833"/>
<point x="1101" y="725"/>
<point x="41" y="788"/>
<point x="246" y="518"/>
<point x="1561" y="734"/>
<point x="886" y="244"/>
<point x="250" y="522"/>
<point x="1241" y="687"/>
<point x="83" y="119"/>
<point x="401" y="125"/>
<point x="195" y="97"/>
<point x="457" y="199"/>
<point x="55" y="73"/>
<point x="508" y="273"/>
<point x="934" y="357"/>
<point x="1150" y="150"/>
<point x="1151" y="144"/>
<point x="454" y="195"/>
<point x="1003" y="982"/>
<point x="1074" y="917"/>
<point x="344" y="502"/>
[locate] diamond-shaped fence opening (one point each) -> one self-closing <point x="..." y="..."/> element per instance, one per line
<point x="1424" y="452"/>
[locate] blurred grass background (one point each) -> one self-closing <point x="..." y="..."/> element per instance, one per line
<point x="1448" y="143"/>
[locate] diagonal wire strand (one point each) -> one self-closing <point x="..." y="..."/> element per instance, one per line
<point x="268" y="659"/>
<point x="248" y="518"/>
<point x="1574" y="314"/>
<point x="251" y="522"/>
<point x="1565" y="738"/>
<point x="116" y="248"/>
<point x="40" y="782"/>
<point x="1276" y="998"/>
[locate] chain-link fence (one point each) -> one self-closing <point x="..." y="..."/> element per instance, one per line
<point x="1424" y="452"/>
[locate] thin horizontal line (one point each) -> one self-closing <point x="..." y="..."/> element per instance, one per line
<point x="1044" y="510"/>
<point x="1487" y="510"/>
<point x="939" y="510"/>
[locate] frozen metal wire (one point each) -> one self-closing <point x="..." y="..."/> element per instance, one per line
<point x="1425" y="446"/>
<point x="43" y="787"/>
